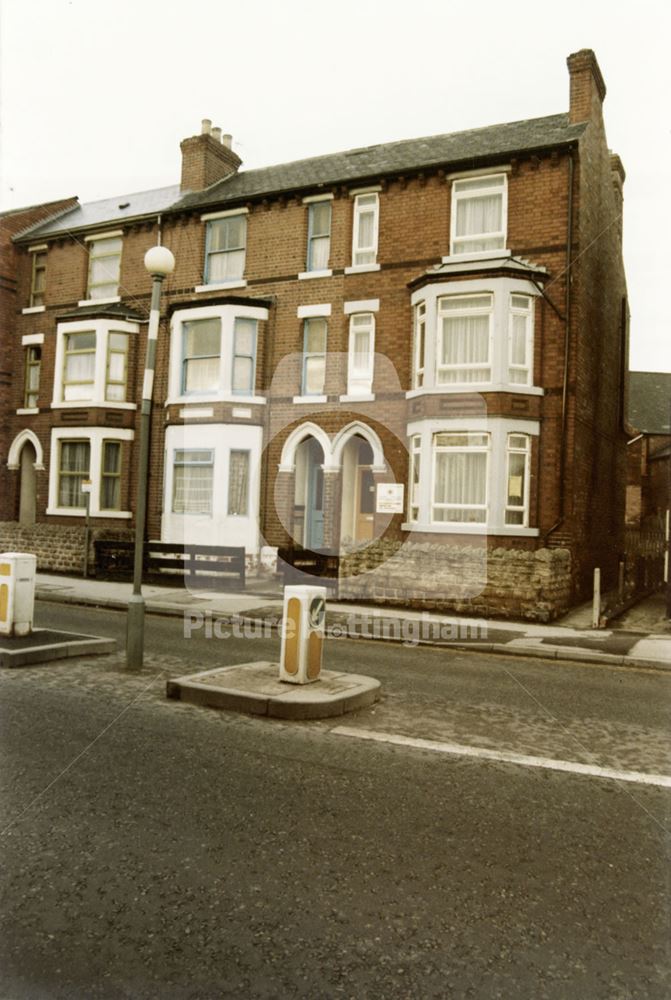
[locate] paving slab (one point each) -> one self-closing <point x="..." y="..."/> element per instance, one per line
<point x="43" y="645"/>
<point x="255" y="688"/>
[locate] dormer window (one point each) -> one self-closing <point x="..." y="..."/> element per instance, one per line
<point x="479" y="214"/>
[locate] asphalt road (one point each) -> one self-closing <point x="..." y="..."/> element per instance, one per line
<point x="153" y="849"/>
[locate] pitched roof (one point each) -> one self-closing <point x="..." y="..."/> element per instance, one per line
<point x="455" y="149"/>
<point x="109" y="210"/>
<point x="650" y="402"/>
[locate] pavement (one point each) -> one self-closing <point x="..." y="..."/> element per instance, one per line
<point x="641" y="639"/>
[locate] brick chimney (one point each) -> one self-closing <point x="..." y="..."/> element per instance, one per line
<point x="587" y="87"/>
<point x="207" y="158"/>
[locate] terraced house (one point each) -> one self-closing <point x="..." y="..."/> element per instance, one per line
<point x="409" y="356"/>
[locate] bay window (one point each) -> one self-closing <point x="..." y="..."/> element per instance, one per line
<point x="460" y="477"/>
<point x="464" y="336"/>
<point x="479" y="210"/>
<point x="201" y="355"/>
<point x="92" y="363"/>
<point x="193" y="471"/>
<point x="238" y="483"/>
<point x="110" y="476"/>
<point x="521" y="316"/>
<point x="244" y="356"/>
<point x="117" y="366"/>
<point x="517" y="479"/>
<point x="79" y="366"/>
<point x="415" y="469"/>
<point x="419" y="344"/>
<point x="93" y="455"/>
<point x="73" y="470"/>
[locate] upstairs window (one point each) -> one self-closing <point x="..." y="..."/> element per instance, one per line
<point x="365" y="229"/>
<point x="419" y="345"/>
<point x="117" y="366"/>
<point x="314" y="356"/>
<point x="73" y="470"/>
<point x="319" y="235"/>
<point x="38" y="281"/>
<point x="104" y="268"/>
<point x="460" y="477"/>
<point x="201" y="355"/>
<point x="225" y="246"/>
<point x="464" y="339"/>
<point x="79" y="366"/>
<point x="479" y="209"/>
<point x="192" y="481"/>
<point x="32" y="376"/>
<point x="521" y="338"/>
<point x="361" y="354"/>
<point x="244" y="356"/>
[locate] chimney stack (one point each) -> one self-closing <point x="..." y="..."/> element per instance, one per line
<point x="207" y="158"/>
<point x="587" y="87"/>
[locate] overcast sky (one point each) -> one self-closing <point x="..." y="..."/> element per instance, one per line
<point x="96" y="95"/>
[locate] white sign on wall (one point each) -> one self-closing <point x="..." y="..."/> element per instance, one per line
<point x="390" y="497"/>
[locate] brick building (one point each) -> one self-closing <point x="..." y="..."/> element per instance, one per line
<point x="649" y="446"/>
<point x="445" y="314"/>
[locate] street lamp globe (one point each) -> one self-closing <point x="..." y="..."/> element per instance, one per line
<point x="159" y="261"/>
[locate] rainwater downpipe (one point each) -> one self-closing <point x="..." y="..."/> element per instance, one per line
<point x="567" y="347"/>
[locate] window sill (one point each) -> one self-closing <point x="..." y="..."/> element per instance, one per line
<point x="100" y="302"/>
<point x="81" y="512"/>
<point x="457" y="258"/>
<point x="470" y="387"/>
<point x="33" y="309"/>
<point x="22" y="411"/>
<point x="361" y="268"/>
<point x="304" y="275"/>
<point x="361" y="397"/>
<point x="472" y="529"/>
<point x="310" y="399"/>
<point x="221" y="286"/>
<point x="206" y="399"/>
<point x="87" y="404"/>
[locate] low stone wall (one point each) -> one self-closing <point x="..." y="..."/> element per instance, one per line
<point x="58" y="547"/>
<point x="505" y="583"/>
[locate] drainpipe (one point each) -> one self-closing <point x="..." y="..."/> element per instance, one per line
<point x="567" y="348"/>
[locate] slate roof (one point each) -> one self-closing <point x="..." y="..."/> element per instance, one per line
<point x="455" y="150"/>
<point x="650" y="402"/>
<point x="109" y="210"/>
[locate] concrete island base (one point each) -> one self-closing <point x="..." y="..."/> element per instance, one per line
<point x="43" y="645"/>
<point x="255" y="688"/>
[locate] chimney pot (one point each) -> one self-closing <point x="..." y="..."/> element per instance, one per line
<point x="206" y="126"/>
<point x="227" y="140"/>
<point x="216" y="133"/>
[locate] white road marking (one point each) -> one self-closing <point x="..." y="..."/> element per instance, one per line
<point x="507" y="757"/>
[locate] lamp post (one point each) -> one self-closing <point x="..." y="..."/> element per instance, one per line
<point x="160" y="262"/>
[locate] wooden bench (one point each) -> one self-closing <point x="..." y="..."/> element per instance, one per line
<point x="204" y="566"/>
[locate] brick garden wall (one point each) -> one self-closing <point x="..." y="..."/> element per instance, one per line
<point x="59" y="547"/>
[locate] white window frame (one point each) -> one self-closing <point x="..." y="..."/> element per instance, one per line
<point x="525" y="450"/>
<point x="418" y="344"/>
<point x="499" y="429"/>
<point x="238" y="451"/>
<point x="358" y="210"/>
<point x="414" y="465"/>
<point x="238" y="279"/>
<point x="196" y="464"/>
<point x="38" y="252"/>
<point x="102" y="329"/>
<point x="465" y="310"/>
<point x="460" y="449"/>
<point x="528" y="314"/>
<point x="457" y="196"/>
<point x="227" y="315"/>
<point x="31" y="363"/>
<point x="313" y="354"/>
<point x="96" y="437"/>
<point x="97" y="252"/>
<point x="360" y="381"/>
<point x="499" y="356"/>
<point x="309" y="265"/>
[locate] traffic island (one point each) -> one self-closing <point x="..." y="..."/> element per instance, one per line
<point x="256" y="689"/>
<point x="42" y="645"/>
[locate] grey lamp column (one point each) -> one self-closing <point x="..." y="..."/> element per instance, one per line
<point x="160" y="262"/>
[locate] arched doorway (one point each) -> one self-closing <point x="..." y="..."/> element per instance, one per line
<point x="28" y="485"/>
<point x="357" y="522"/>
<point x="309" y="495"/>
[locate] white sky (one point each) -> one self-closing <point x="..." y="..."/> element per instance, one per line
<point x="96" y="95"/>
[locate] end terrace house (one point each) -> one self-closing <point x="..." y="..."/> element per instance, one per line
<point x="410" y="356"/>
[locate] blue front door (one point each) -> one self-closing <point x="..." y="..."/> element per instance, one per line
<point x="314" y="512"/>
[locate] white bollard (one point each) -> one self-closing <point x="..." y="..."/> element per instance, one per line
<point x="304" y="615"/>
<point x="17" y="592"/>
